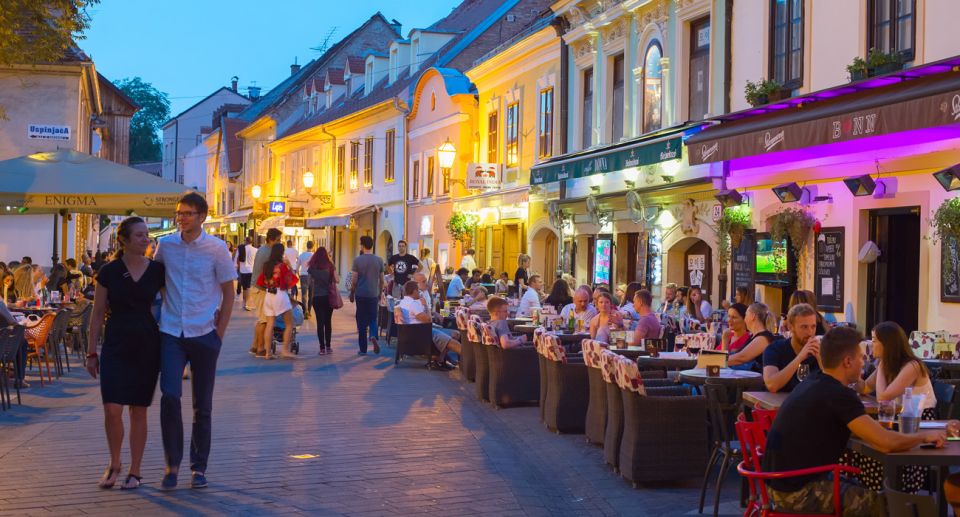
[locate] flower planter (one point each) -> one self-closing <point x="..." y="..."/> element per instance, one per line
<point x="884" y="69"/>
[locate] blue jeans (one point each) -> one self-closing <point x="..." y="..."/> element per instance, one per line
<point x="366" y="319"/>
<point x="175" y="352"/>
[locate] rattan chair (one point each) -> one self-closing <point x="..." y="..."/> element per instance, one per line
<point x="56" y="341"/>
<point x="595" y="421"/>
<point x="481" y="364"/>
<point x="538" y="335"/>
<point x="37" y="342"/>
<point x="568" y="390"/>
<point x="613" y="430"/>
<point x="11" y="342"/>
<point x="414" y="339"/>
<point x="468" y="346"/>
<point x="514" y="373"/>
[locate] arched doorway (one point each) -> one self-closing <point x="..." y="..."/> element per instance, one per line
<point x="385" y="244"/>
<point x="690" y="263"/>
<point x="544" y="254"/>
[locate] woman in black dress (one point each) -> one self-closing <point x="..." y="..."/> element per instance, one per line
<point x="130" y="361"/>
<point x="323" y="275"/>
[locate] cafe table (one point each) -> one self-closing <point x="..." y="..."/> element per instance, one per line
<point x="941" y="459"/>
<point x="698" y="376"/>
<point x="667" y="360"/>
<point x="950" y="366"/>
<point x="632" y="352"/>
<point x="767" y="400"/>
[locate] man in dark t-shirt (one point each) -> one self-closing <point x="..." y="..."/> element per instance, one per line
<point x="783" y="357"/>
<point x="813" y="426"/>
<point x="404" y="266"/>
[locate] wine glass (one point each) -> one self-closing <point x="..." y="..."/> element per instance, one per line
<point x="803" y="372"/>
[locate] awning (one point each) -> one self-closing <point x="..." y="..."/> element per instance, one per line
<point x="160" y="232"/>
<point x="212" y="223"/>
<point x="905" y="101"/>
<point x="646" y="150"/>
<point x="494" y="198"/>
<point x="238" y="216"/>
<point x="272" y="222"/>
<point x="337" y="216"/>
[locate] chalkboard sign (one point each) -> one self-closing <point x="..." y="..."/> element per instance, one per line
<point x="828" y="269"/>
<point x="743" y="262"/>
<point x="949" y="279"/>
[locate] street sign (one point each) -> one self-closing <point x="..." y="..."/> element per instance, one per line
<point x="296" y="211"/>
<point x="277" y="207"/>
<point x="294" y="222"/>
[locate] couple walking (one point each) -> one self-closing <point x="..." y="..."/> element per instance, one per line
<point x="195" y="273"/>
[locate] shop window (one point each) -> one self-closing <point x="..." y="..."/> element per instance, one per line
<point x="513" y="136"/>
<point x="616" y="114"/>
<point x="493" y="121"/>
<point x="893" y="26"/>
<point x="652" y="88"/>
<point x="368" y="162"/>
<point x="341" y="158"/>
<point x="389" y="155"/>
<point x="415" y="180"/>
<point x="699" y="86"/>
<point x="786" y="42"/>
<point x="586" y="130"/>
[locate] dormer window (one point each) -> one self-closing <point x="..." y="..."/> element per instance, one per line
<point x="329" y="98"/>
<point x="368" y="81"/>
<point x="414" y="55"/>
<point x="394" y="54"/>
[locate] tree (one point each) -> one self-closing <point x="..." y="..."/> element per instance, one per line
<point x="145" y="145"/>
<point x="39" y="31"/>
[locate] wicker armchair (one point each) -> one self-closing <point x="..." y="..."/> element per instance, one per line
<point x="481" y="364"/>
<point x="613" y="431"/>
<point x="11" y="342"/>
<point x="595" y="421"/>
<point x="37" y="344"/>
<point x="538" y="336"/>
<point x="414" y="339"/>
<point x="468" y="346"/>
<point x="567" y="389"/>
<point x="514" y="373"/>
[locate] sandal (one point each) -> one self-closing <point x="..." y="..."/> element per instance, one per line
<point x="109" y="478"/>
<point x="132" y="482"/>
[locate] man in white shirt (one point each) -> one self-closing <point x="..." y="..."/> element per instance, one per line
<point x="306" y="283"/>
<point x="469" y="262"/>
<point x="194" y="318"/>
<point x="531" y="297"/>
<point x="412" y="310"/>
<point x="583" y="311"/>
<point x="290" y="256"/>
<point x="245" y="266"/>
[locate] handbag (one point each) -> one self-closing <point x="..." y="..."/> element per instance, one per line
<point x="336" y="302"/>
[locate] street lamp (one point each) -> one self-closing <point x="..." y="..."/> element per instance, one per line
<point x="308" y="180"/>
<point x="256" y="191"/>
<point x="447" y="153"/>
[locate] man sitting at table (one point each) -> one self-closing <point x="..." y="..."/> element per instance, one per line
<point x="648" y="326"/>
<point x="425" y="287"/>
<point x="583" y="311"/>
<point x="669" y="295"/>
<point x="456" y="286"/>
<point x="531" y="297"/>
<point x="411" y="310"/>
<point x="813" y="427"/>
<point x="498" y="309"/>
<point x="783" y="357"/>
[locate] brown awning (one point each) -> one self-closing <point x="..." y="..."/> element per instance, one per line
<point x="908" y="105"/>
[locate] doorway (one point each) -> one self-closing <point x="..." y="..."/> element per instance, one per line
<point x="893" y="280"/>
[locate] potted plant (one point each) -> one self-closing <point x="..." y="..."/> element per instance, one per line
<point x="946" y="225"/>
<point x="461" y="226"/>
<point x="879" y="63"/>
<point x="794" y="223"/>
<point x="764" y="92"/>
<point x="857" y="69"/>
<point x="730" y="229"/>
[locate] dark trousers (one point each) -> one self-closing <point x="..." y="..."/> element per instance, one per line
<point x="324" y="315"/>
<point x="306" y="288"/>
<point x="366" y="319"/>
<point x="175" y="352"/>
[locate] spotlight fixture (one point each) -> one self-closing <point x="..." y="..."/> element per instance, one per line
<point x="788" y="192"/>
<point x="860" y="185"/>
<point x="949" y="178"/>
<point x="729" y="197"/>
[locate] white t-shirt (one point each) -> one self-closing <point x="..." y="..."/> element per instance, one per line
<point x="304" y="258"/>
<point x="409" y="308"/>
<point x="290" y="257"/>
<point x="530" y="301"/>
<point x="469" y="263"/>
<point x="583" y="317"/>
<point x="250" y="253"/>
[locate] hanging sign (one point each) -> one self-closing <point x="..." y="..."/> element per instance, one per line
<point x="277" y="207"/>
<point x="48" y="132"/>
<point x="484" y="175"/>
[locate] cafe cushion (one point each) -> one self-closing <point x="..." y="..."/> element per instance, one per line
<point x="923" y="343"/>
<point x="592" y="351"/>
<point x="552" y="350"/>
<point x="628" y="375"/>
<point x="608" y="365"/>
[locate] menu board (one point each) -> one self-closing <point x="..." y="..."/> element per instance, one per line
<point x="602" y="261"/>
<point x="743" y="262"/>
<point x="828" y="269"/>
<point x="949" y="277"/>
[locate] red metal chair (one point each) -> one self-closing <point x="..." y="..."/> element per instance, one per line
<point x="752" y="436"/>
<point x="764" y="417"/>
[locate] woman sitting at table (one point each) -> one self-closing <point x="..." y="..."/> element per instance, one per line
<point x="559" y="296"/>
<point x="498" y="309"/>
<point x="899" y="369"/>
<point x="759" y="323"/>
<point x="627" y="308"/>
<point x="736" y="336"/>
<point x="697" y="307"/>
<point x="607" y="317"/>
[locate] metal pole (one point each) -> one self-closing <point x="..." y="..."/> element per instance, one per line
<point x="55" y="258"/>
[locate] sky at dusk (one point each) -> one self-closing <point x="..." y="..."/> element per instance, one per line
<point x="189" y="48"/>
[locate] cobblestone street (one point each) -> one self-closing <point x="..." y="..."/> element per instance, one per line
<point x="325" y="435"/>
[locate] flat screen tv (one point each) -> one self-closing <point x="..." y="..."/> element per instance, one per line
<point x="774" y="260"/>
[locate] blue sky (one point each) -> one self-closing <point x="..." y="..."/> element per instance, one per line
<point x="189" y="48"/>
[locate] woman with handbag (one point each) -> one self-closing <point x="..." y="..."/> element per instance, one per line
<point x="276" y="278"/>
<point x="326" y="297"/>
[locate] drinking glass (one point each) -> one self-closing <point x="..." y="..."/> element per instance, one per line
<point x="887" y="413"/>
<point x="802" y="372"/>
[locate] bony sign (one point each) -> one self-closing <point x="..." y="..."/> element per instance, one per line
<point x="277" y="207"/>
<point x="484" y="175"/>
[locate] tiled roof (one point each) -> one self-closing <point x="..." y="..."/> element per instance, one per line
<point x="233" y="143"/>
<point x="356" y="64"/>
<point x="335" y="76"/>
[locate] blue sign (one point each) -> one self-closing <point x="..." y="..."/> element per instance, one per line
<point x="277" y="207"/>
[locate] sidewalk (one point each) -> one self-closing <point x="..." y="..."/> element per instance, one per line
<point x="324" y="435"/>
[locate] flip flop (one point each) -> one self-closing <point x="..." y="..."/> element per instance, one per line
<point x="132" y="482"/>
<point x="109" y="478"/>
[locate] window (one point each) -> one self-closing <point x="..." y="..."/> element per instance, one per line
<point x="388" y="164"/>
<point x="430" y="177"/>
<point x="616" y="114"/>
<point x="586" y="131"/>
<point x="445" y="180"/>
<point x="415" y="180"/>
<point x="493" y="122"/>
<point x="545" y="133"/>
<point x="892" y="26"/>
<point x="433" y="101"/>
<point x="786" y="42"/>
<point x="354" y="163"/>
<point x="652" y="88"/>
<point x="368" y="162"/>
<point x="513" y="140"/>
<point x="699" y="96"/>
<point x="341" y="158"/>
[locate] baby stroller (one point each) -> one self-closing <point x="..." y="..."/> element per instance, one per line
<point x="279" y="326"/>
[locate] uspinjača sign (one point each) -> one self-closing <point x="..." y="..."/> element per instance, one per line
<point x="611" y="160"/>
<point x="48" y="132"/>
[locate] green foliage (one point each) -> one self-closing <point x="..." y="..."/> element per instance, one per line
<point x="857" y="69"/>
<point x="946" y="226"/>
<point x="759" y="93"/>
<point x="145" y="145"/>
<point x="795" y="223"/>
<point x="876" y="58"/>
<point x="876" y="63"/>
<point x="733" y="223"/>
<point x="462" y="225"/>
<point x="34" y="32"/>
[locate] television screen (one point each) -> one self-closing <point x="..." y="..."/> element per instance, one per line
<point x="771" y="256"/>
<point x="602" y="259"/>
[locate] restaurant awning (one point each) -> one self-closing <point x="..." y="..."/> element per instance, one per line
<point x="238" y="216"/>
<point x="645" y="150"/>
<point x="337" y="216"/>
<point x="81" y="183"/>
<point x="493" y="198"/>
<point x="272" y="222"/>
<point x="212" y="223"/>
<point x="160" y="232"/>
<point x="917" y="98"/>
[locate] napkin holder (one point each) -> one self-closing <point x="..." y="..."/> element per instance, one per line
<point x="710" y="358"/>
<point x="713" y="371"/>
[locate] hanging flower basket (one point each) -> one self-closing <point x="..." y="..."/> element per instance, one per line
<point x="730" y="229"/>
<point x="946" y="225"/>
<point x="461" y="226"/>
<point x="794" y="223"/>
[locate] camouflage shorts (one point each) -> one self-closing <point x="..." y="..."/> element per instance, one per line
<point x="817" y="497"/>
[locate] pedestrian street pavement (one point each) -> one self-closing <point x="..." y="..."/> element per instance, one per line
<point x="324" y="435"/>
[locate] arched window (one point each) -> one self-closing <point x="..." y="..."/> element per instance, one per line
<point x="433" y="101"/>
<point x="652" y="88"/>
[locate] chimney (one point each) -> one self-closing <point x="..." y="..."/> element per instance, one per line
<point x="233" y="83"/>
<point x="396" y="25"/>
<point x="253" y="92"/>
<point x="294" y="68"/>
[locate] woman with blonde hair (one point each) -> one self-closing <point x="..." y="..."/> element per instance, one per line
<point x="521" y="277"/>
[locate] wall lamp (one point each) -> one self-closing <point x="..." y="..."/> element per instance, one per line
<point x="949" y="178"/>
<point x="792" y="193"/>
<point x="729" y="197"/>
<point x="631" y="184"/>
<point x="865" y="185"/>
